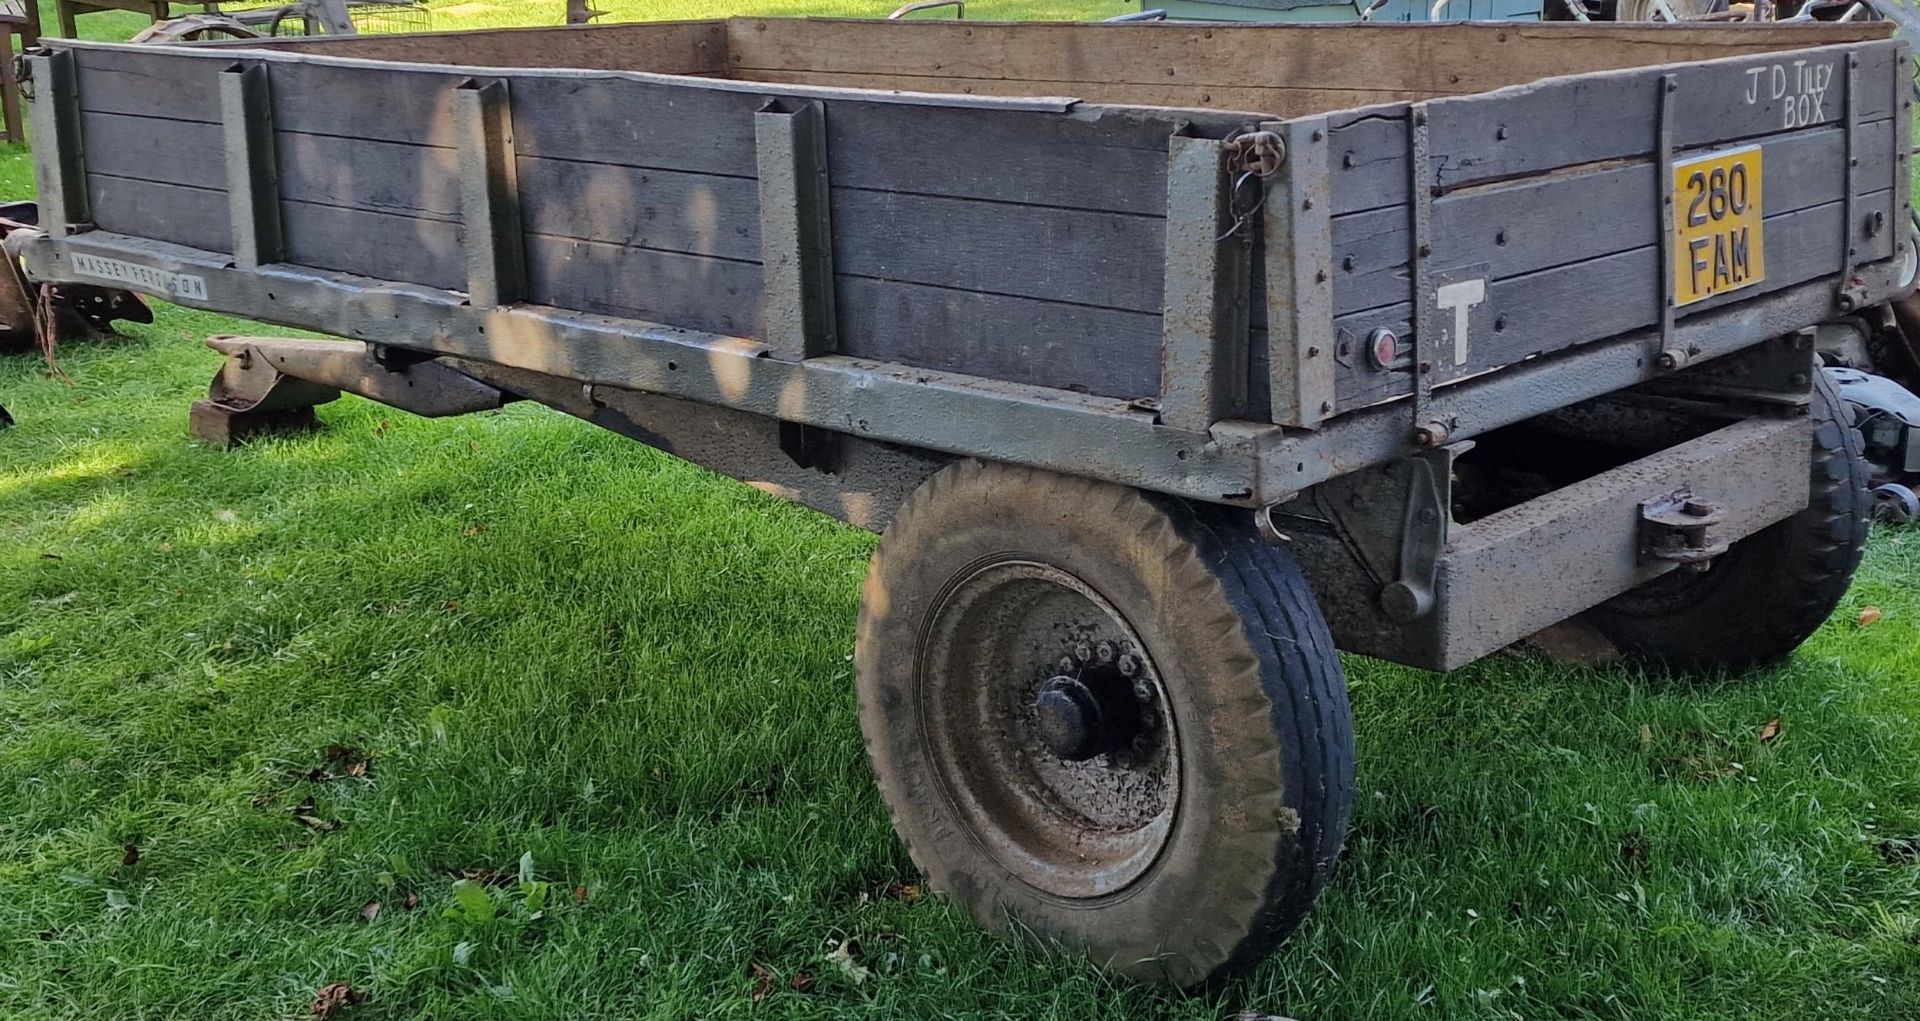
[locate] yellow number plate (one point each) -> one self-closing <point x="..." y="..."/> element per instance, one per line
<point x="1717" y="241"/>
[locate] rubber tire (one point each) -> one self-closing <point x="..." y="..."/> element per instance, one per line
<point x="1255" y="687"/>
<point x="1771" y="590"/>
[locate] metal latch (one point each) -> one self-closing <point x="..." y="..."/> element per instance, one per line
<point x="1678" y="528"/>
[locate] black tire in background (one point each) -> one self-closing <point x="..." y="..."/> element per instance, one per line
<point x="1191" y="848"/>
<point x="1771" y="590"/>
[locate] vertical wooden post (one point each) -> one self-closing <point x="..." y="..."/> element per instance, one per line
<point x="253" y="174"/>
<point x="1299" y="275"/>
<point x="1203" y="346"/>
<point x="796" y="230"/>
<point x="58" y="163"/>
<point x="489" y="194"/>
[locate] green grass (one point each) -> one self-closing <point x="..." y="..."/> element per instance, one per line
<point x="557" y="643"/>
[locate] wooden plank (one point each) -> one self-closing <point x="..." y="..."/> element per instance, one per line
<point x="635" y="123"/>
<point x="377" y="245"/>
<point x="665" y="47"/>
<point x="1565" y="306"/>
<point x="1523" y="130"/>
<point x="1540" y="222"/>
<point x="695" y="292"/>
<point x="169" y="151"/>
<point x="1099" y="351"/>
<point x="1431" y="60"/>
<point x="1109" y="260"/>
<point x="695" y="214"/>
<point x="389" y="177"/>
<point x="147" y="83"/>
<point x="1256" y="100"/>
<point x="195" y="217"/>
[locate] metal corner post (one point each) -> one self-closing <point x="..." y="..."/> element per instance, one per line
<point x="1203" y="354"/>
<point x="253" y="176"/>
<point x="796" y="230"/>
<point x="1299" y="276"/>
<point x="58" y="161"/>
<point x="489" y="194"/>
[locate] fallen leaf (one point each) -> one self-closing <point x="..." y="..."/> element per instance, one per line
<point x="842" y="958"/>
<point x="579" y="895"/>
<point x="130" y="856"/>
<point x="763" y="980"/>
<point x="1646" y="736"/>
<point x="51" y="556"/>
<point x="381" y="429"/>
<point x="450" y="605"/>
<point x="1870" y="616"/>
<point x="1770" y="731"/>
<point x="317" y="824"/>
<point x="473" y="530"/>
<point x="370" y="910"/>
<point x="906" y="893"/>
<point x="801" y="981"/>
<point x="333" y="998"/>
<point x="486" y="877"/>
<point x="410" y="901"/>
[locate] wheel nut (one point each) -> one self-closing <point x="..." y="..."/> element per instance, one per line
<point x="1129" y="665"/>
<point x="1143" y="690"/>
<point x="1067" y="665"/>
<point x="1103" y="652"/>
<point x="1082" y="652"/>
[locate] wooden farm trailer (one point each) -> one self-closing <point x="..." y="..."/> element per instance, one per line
<point x="1168" y="357"/>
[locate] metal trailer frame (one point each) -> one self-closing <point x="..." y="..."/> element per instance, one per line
<point x="1277" y="427"/>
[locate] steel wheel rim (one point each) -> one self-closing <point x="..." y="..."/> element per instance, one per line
<point x="998" y="635"/>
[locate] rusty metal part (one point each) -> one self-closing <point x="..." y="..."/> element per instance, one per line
<point x="271" y="383"/>
<point x="1679" y="528"/>
<point x="194" y="28"/>
<point x="1256" y="152"/>
<point x="71" y="309"/>
<point x="1054" y="742"/>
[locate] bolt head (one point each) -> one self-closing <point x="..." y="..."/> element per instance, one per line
<point x="1129" y="664"/>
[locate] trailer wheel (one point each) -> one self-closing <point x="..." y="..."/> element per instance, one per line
<point x="1106" y="716"/>
<point x="1762" y="598"/>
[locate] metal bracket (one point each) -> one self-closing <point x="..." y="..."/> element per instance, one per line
<point x="489" y="194"/>
<point x="1394" y="518"/>
<point x="1850" y="124"/>
<point x="253" y="179"/>
<point x="1298" y="231"/>
<point x="1678" y="528"/>
<point x="1420" y="195"/>
<point x="1777" y="372"/>
<point x="1203" y="353"/>
<point x="796" y="231"/>
<point x="1663" y="174"/>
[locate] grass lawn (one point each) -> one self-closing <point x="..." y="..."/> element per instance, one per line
<point x="506" y="717"/>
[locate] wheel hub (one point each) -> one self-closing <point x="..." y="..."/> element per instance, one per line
<point x="1078" y="718"/>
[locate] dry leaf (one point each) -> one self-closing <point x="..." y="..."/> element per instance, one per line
<point x="579" y="895"/>
<point x="488" y="877"/>
<point x="381" y="429"/>
<point x="473" y="530"/>
<point x="1870" y="616"/>
<point x="370" y="910"/>
<point x="801" y="981"/>
<point x="1646" y="736"/>
<point x="1899" y="850"/>
<point x="763" y="980"/>
<point x="842" y="958"/>
<point x="317" y="824"/>
<point x="333" y="998"/>
<point x="130" y="855"/>
<point x="410" y="901"/>
<point x="1770" y="731"/>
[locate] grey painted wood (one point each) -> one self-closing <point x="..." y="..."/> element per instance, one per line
<point x="171" y="152"/>
<point x="1552" y="220"/>
<point x="378" y="245"/>
<point x="696" y="292"/>
<point x="388" y="177"/>
<point x="1569" y="305"/>
<point x="195" y="217"/>
<point x="674" y="211"/>
<point x="1525" y="129"/>
<point x="148" y="83"/>
<point x="1099" y="351"/>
